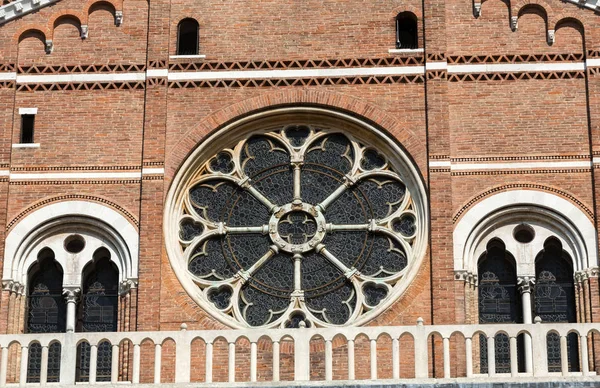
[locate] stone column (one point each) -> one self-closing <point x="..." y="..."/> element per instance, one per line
<point x="525" y="284"/>
<point x="71" y="295"/>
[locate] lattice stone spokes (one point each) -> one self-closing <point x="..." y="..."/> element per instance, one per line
<point x="298" y="224"/>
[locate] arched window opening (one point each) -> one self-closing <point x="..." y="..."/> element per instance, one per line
<point x="499" y="302"/>
<point x="406" y="31"/>
<point x="46" y="313"/>
<point x="98" y="312"/>
<point x="554" y="300"/>
<point x="187" y="37"/>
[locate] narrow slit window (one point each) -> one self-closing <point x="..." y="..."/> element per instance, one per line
<point x="187" y="37"/>
<point x="27" y="128"/>
<point x="406" y="31"/>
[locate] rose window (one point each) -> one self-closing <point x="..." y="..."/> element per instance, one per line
<point x="299" y="225"/>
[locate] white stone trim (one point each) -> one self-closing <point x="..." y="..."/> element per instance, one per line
<point x="8" y="76"/>
<point x="516" y="67"/>
<point x="439" y="163"/>
<point x="157" y="72"/>
<point x="519" y="165"/>
<point x="26" y="145"/>
<point x="405" y="51"/>
<point x="198" y="56"/>
<point x="592" y="62"/>
<point x="18" y="176"/>
<point x="21" y="7"/>
<point x="28" y="111"/>
<point x="567" y="222"/>
<point x="87" y="77"/>
<point x="436" y="65"/>
<point x="33" y="232"/>
<point x="153" y="170"/>
<point x="303" y="73"/>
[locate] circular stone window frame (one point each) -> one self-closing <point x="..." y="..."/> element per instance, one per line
<point x="272" y="120"/>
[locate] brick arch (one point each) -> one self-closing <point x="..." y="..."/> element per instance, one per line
<point x="70" y="197"/>
<point x="55" y="20"/>
<point x="516" y="186"/>
<point x="30" y="28"/>
<point x="414" y="146"/>
<point x="521" y="6"/>
<point x="117" y="5"/>
<point x="407" y="8"/>
<point x="564" y="18"/>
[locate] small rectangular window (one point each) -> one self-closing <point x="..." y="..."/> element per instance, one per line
<point x="27" y="126"/>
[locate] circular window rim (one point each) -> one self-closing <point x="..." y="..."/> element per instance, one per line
<point x="247" y="126"/>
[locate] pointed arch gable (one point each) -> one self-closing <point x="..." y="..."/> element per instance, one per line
<point x="567" y="219"/>
<point x="120" y="236"/>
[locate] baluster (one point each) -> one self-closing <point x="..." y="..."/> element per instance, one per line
<point x="446" y="346"/>
<point x="114" y="364"/>
<point x="4" y="366"/>
<point x="24" y="360"/>
<point x="585" y="364"/>
<point x="514" y="361"/>
<point x="183" y="349"/>
<point x="93" y="362"/>
<point x="328" y="360"/>
<point x="209" y="362"/>
<point x="44" y="366"/>
<point x="253" y="361"/>
<point x="351" y="375"/>
<point x="135" y="379"/>
<point x="491" y="352"/>
<point x="231" y="362"/>
<point x="157" y="362"/>
<point x="421" y="357"/>
<point x="395" y="358"/>
<point x="373" y="359"/>
<point x="469" y="355"/>
<point x="301" y="356"/>
<point x="564" y="359"/>
<point x="276" y="361"/>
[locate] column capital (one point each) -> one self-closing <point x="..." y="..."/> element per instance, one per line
<point x="71" y="294"/>
<point x="525" y="284"/>
<point x="127" y="285"/>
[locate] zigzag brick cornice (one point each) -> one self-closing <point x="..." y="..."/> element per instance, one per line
<point x="521" y="58"/>
<point x="298" y="64"/>
<point x="133" y="85"/>
<point x="322" y="81"/>
<point x="80" y="69"/>
<point x="470" y="77"/>
<point x="19" y="8"/>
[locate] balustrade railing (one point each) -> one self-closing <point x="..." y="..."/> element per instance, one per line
<point x="456" y="345"/>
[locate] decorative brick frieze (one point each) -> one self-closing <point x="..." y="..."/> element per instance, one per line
<point x="80" y="69"/>
<point x="359" y="80"/>
<point x="133" y="85"/>
<point x="298" y="64"/>
<point x="517" y="76"/>
<point x="520" y="158"/>
<point x="522" y="172"/>
<point x="515" y="58"/>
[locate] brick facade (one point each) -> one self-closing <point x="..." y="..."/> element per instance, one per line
<point x="443" y="117"/>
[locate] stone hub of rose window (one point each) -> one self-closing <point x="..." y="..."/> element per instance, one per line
<point x="297" y="227"/>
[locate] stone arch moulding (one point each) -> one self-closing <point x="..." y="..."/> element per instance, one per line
<point x="549" y="212"/>
<point x="108" y="226"/>
<point x="361" y="109"/>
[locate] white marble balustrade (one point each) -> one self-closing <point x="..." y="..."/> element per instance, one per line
<point x="421" y="335"/>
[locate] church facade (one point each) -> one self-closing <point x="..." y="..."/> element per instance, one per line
<point x="235" y="191"/>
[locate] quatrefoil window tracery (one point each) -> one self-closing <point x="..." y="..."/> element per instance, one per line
<point x="300" y="224"/>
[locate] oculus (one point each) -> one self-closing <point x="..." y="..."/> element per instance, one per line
<point x="295" y="224"/>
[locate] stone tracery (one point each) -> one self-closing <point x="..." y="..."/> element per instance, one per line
<point x="299" y="224"/>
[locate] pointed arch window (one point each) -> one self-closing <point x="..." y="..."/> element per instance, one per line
<point x="406" y="31"/>
<point x="188" y="32"/>
<point x="554" y="300"/>
<point x="46" y="313"/>
<point x="98" y="312"/>
<point x="499" y="301"/>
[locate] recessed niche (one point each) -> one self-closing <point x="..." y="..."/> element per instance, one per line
<point x="74" y="243"/>
<point x="523" y="233"/>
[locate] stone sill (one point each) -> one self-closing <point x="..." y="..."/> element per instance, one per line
<point x="26" y="145"/>
<point x="200" y="56"/>
<point x="406" y="51"/>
